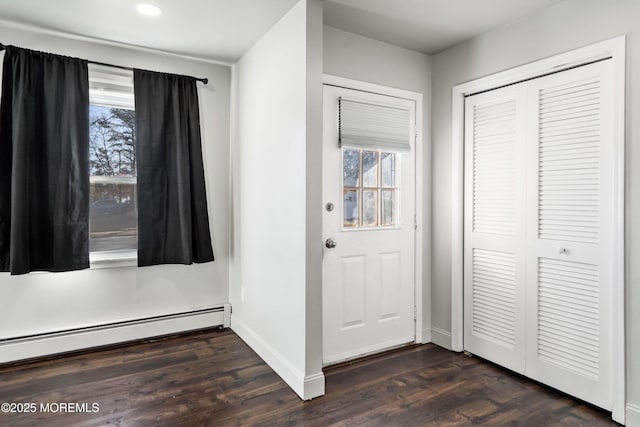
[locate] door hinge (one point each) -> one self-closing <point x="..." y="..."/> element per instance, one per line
<point x="415" y="221"/>
<point x="415" y="313"/>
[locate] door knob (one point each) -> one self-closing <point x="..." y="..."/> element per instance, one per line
<point x="330" y="243"/>
<point x="562" y="250"/>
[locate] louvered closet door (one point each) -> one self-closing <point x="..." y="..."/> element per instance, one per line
<point x="569" y="204"/>
<point x="494" y="226"/>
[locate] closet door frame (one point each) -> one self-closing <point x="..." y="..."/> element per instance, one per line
<point x="615" y="50"/>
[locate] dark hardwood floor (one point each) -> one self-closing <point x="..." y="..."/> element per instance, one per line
<point x="213" y="378"/>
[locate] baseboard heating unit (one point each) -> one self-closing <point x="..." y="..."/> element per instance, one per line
<point x="33" y="346"/>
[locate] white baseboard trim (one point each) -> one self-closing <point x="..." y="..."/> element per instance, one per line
<point x="306" y="387"/>
<point x="441" y="337"/>
<point x="314" y="386"/>
<point x="30" y="347"/>
<point x="633" y="415"/>
<point x="426" y="336"/>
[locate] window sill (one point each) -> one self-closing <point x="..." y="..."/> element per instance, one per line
<point x="113" y="259"/>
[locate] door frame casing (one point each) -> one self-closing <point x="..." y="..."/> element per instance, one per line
<point x="615" y="49"/>
<point x="421" y="288"/>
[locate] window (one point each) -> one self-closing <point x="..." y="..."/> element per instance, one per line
<point x="370" y="188"/>
<point x="112" y="161"/>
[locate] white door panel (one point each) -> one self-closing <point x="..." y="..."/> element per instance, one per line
<point x="569" y="231"/>
<point x="494" y="227"/>
<point x="368" y="277"/>
<point x="539" y="197"/>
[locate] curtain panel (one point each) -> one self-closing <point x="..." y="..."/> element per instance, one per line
<point x="173" y="223"/>
<point x="44" y="172"/>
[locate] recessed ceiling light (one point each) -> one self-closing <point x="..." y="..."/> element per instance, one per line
<point x="148" y="9"/>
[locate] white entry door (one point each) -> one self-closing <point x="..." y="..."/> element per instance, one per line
<point x="539" y="229"/>
<point x="368" y="223"/>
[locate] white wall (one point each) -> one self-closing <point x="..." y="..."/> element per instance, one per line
<point x="359" y="58"/>
<point x="46" y="302"/>
<point x="565" y="26"/>
<point x="268" y="269"/>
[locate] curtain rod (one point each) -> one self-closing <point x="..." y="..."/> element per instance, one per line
<point x="200" y="79"/>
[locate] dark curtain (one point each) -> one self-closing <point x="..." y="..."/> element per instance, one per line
<point x="44" y="168"/>
<point x="173" y="224"/>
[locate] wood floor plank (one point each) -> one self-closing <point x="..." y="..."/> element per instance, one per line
<point x="212" y="378"/>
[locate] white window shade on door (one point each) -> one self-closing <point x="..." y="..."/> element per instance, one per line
<point x="373" y="127"/>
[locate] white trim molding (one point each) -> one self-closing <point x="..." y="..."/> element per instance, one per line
<point x="422" y="282"/>
<point x="426" y="336"/>
<point x="306" y="387"/>
<point x="441" y="338"/>
<point x="633" y="415"/>
<point x="314" y="385"/>
<point x="614" y="49"/>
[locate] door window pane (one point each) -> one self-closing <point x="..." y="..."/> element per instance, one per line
<point x="388" y="207"/>
<point x="369" y="168"/>
<point x="388" y="169"/>
<point x="351" y="168"/>
<point x="351" y="209"/>
<point x="370" y="208"/>
<point x="370" y="188"/>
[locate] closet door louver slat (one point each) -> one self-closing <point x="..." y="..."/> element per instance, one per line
<point x="568" y="316"/>
<point x="494" y="131"/>
<point x="563" y="200"/>
<point x="494" y="311"/>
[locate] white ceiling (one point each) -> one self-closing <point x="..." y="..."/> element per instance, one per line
<point x="223" y="30"/>
<point x="211" y="29"/>
<point x="427" y="26"/>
